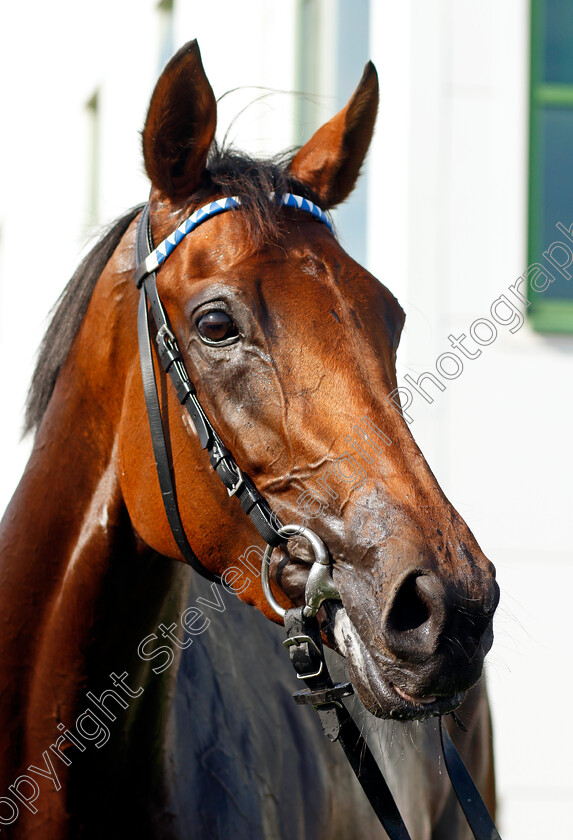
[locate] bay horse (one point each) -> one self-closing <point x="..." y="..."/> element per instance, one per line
<point x="139" y="700"/>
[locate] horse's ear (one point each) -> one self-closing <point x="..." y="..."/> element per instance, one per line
<point x="180" y="125"/>
<point x="330" y="162"/>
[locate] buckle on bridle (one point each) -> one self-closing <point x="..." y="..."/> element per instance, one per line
<point x="167" y="347"/>
<point x="309" y="653"/>
<point x="163" y="333"/>
<point x="236" y="487"/>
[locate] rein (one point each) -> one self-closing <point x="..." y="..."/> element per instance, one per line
<point x="303" y="641"/>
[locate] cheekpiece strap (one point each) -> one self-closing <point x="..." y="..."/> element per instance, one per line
<point x="237" y="483"/>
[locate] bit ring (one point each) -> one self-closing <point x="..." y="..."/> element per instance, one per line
<point x="319" y="585"/>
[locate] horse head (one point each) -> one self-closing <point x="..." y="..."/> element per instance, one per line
<point x="291" y="346"/>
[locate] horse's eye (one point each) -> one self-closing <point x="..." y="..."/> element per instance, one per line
<point x="217" y="326"/>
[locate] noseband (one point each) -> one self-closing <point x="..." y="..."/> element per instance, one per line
<point x="304" y="641"/>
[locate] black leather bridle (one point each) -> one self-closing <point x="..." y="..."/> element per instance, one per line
<point x="303" y="640"/>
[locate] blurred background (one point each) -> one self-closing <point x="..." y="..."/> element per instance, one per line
<point x="470" y="170"/>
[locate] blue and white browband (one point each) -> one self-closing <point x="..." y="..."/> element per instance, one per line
<point x="221" y="205"/>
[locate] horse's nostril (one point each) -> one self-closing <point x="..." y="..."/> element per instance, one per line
<point x="410" y="608"/>
<point x="415" y="617"/>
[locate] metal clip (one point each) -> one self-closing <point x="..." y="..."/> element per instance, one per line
<point x="319" y="587"/>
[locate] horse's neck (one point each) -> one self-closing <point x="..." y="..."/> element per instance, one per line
<point x="78" y="590"/>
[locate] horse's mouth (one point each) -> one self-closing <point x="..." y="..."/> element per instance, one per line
<point x="423" y="707"/>
<point x="383" y="697"/>
<point x="415" y="701"/>
<point x="384" y="690"/>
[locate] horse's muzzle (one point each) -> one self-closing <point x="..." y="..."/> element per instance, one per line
<point x="427" y="651"/>
<point x="422" y="615"/>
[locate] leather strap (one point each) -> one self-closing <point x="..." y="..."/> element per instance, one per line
<point x="237" y="483"/>
<point x="307" y="657"/>
<point x="473" y="806"/>
<point x="162" y="461"/>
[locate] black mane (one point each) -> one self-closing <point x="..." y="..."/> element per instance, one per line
<point x="228" y="173"/>
<point x="70" y="309"/>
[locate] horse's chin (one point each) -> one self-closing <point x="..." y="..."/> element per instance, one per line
<point x="383" y="691"/>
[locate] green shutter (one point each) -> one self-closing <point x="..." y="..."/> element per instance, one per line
<point x="550" y="197"/>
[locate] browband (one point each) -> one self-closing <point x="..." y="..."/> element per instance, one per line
<point x="158" y="256"/>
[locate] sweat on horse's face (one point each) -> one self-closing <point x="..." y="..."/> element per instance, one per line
<point x="306" y="348"/>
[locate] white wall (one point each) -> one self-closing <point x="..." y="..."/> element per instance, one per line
<point x="448" y="233"/>
<point x="446" y="198"/>
<point x="46" y="78"/>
